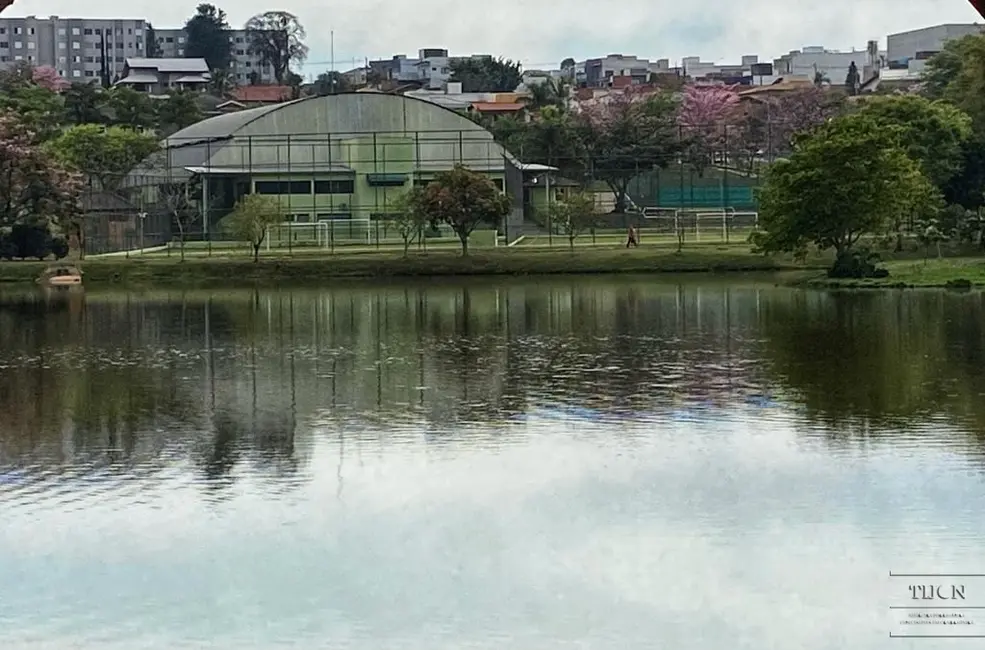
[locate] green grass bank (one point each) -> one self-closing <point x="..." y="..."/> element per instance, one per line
<point x="946" y="273"/>
<point x="221" y="271"/>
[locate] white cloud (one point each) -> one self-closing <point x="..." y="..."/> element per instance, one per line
<point x="543" y="33"/>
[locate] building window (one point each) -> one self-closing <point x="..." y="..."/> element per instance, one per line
<point x="341" y="186"/>
<point x="62" y="31"/>
<point x="76" y="73"/>
<point x="75" y="31"/>
<point x="90" y="59"/>
<point x="4" y="44"/>
<point x="30" y="31"/>
<point x="62" y="59"/>
<point x="90" y="73"/>
<point x="31" y="45"/>
<point x="99" y="31"/>
<point x="240" y="52"/>
<point x="138" y="32"/>
<point x="76" y="59"/>
<point x="130" y="30"/>
<point x="18" y="45"/>
<point x="283" y="187"/>
<point x="181" y="53"/>
<point x="30" y="58"/>
<point x="76" y="45"/>
<point x="61" y="46"/>
<point x="3" y="30"/>
<point x="299" y="218"/>
<point x="119" y="31"/>
<point x="169" y="39"/>
<point x="18" y="58"/>
<point x="87" y="32"/>
<point x="18" y="30"/>
<point x="181" y="39"/>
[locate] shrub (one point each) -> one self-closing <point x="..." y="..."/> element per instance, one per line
<point x="31" y="241"/>
<point x="857" y="264"/>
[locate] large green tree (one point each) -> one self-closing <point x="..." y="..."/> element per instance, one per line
<point x="252" y="219"/>
<point x="180" y="109"/>
<point x="331" y="83"/>
<point x="277" y="37"/>
<point x="131" y="108"/>
<point x="486" y="74"/>
<point x="932" y="132"/>
<point x="39" y="108"/>
<point x="103" y="154"/>
<point x="957" y="74"/>
<point x="207" y="34"/>
<point x="844" y="180"/>
<point x="85" y="103"/>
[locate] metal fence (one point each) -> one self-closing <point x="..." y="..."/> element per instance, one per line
<point x="341" y="190"/>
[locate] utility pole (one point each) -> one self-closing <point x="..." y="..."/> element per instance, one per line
<point x="332" y="51"/>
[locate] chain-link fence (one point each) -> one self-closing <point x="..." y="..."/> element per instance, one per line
<point x="341" y="191"/>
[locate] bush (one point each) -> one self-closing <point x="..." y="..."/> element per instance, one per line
<point x="857" y="264"/>
<point x="30" y="241"/>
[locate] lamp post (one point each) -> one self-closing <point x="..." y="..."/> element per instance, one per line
<point x="142" y="216"/>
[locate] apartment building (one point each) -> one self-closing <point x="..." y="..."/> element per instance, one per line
<point x="243" y="66"/>
<point x="830" y="64"/>
<point x="431" y="68"/>
<point x="600" y="72"/>
<point x="73" y="46"/>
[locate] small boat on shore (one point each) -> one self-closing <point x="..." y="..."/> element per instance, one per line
<point x="61" y="275"/>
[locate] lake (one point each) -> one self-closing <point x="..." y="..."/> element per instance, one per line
<point x="525" y="464"/>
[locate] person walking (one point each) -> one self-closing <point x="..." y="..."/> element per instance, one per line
<point x="632" y="238"/>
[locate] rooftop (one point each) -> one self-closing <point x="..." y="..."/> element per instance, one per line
<point x="169" y="65"/>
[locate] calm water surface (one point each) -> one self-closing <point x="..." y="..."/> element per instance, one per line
<point x="575" y="463"/>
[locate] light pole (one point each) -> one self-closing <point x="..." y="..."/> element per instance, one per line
<point x="142" y="216"/>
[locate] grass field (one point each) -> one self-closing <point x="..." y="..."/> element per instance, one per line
<point x="233" y="270"/>
<point x="957" y="272"/>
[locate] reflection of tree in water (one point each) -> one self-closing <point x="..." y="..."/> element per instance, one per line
<point x="879" y="361"/>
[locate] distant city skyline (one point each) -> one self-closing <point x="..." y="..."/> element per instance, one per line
<point x="540" y="35"/>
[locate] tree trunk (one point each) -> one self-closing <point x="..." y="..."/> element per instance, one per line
<point x="465" y="243"/>
<point x="181" y="239"/>
<point x="407" y="241"/>
<point x="256" y="253"/>
<point x="571" y="242"/>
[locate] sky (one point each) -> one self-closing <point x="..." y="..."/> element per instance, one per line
<point x="541" y="34"/>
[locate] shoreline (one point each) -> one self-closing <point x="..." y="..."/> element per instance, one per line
<point x="226" y="271"/>
<point x="957" y="273"/>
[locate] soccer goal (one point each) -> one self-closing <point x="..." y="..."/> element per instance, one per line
<point x="323" y="233"/>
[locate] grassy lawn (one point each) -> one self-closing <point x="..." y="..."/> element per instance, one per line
<point x="318" y="266"/>
<point x="947" y="272"/>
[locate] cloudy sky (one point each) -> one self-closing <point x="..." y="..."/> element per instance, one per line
<point x="540" y="34"/>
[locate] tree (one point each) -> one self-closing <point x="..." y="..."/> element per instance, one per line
<point x="180" y="109"/>
<point x="486" y="74"/>
<point x="48" y="78"/>
<point x="573" y="216"/>
<point x="853" y="80"/>
<point x="277" y="37"/>
<point x="33" y="188"/>
<point x="85" y="104"/>
<point x="207" y="37"/>
<point x="957" y="74"/>
<point x="408" y="218"/>
<point x="176" y="200"/>
<point x="152" y="48"/>
<point x="463" y="199"/>
<point x="552" y="138"/>
<point x="933" y="133"/>
<point x="771" y="124"/>
<point x="810" y="199"/>
<point x="222" y="82"/>
<point x="38" y="108"/>
<point x="331" y="83"/>
<point x="252" y="217"/>
<point x="103" y="154"/>
<point x="704" y="115"/>
<point x="626" y="134"/>
<point x="130" y="108"/>
<point x="550" y="92"/>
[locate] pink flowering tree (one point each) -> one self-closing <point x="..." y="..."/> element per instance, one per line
<point x="705" y="116"/>
<point x="627" y="133"/>
<point x="770" y="123"/>
<point x="48" y="78"/>
<point x="33" y="187"/>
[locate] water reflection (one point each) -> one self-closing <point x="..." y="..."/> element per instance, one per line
<point x="118" y="379"/>
<point x="482" y="465"/>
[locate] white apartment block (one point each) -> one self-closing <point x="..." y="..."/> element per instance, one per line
<point x="171" y="45"/>
<point x="829" y="63"/>
<point x="73" y="46"/>
<point x="599" y="72"/>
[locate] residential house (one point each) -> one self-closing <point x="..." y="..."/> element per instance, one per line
<point x="160" y="76"/>
<point x="252" y="96"/>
